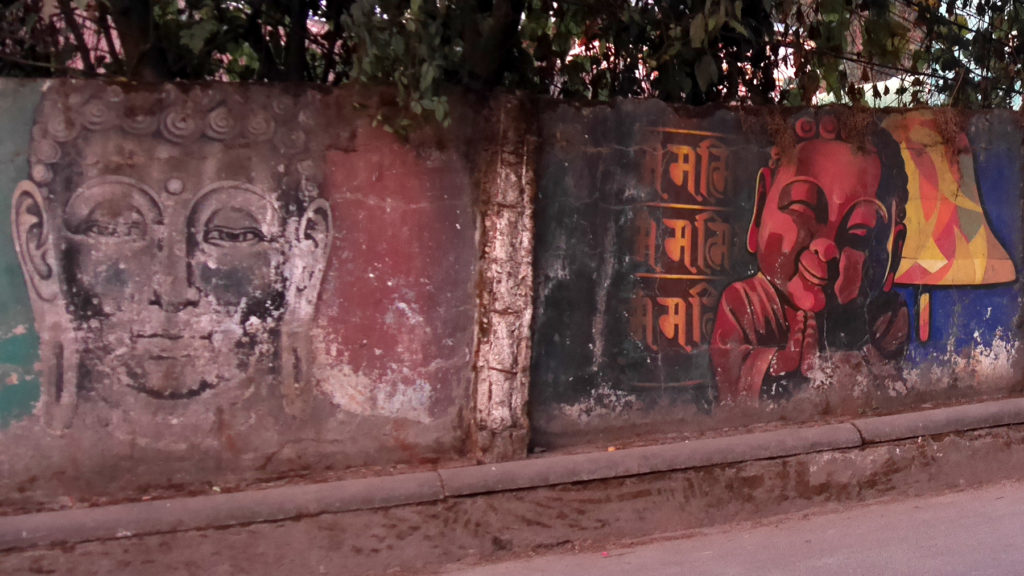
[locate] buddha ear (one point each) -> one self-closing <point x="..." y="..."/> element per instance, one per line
<point x="33" y="240"/>
<point x="899" y="238"/>
<point x="58" y="351"/>
<point x="307" y="264"/>
<point x="315" y="232"/>
<point x="764" y="184"/>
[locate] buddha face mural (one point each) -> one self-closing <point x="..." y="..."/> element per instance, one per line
<point x="173" y="244"/>
<point x="827" y="232"/>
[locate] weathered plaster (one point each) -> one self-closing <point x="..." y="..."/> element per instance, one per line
<point x="405" y="303"/>
<point x="233" y="285"/>
<point x="505" y="285"/>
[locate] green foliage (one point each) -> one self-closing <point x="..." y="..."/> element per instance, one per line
<point x="403" y="44"/>
<point x="963" y="52"/>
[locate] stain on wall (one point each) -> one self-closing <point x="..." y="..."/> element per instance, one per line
<point x="704" y="270"/>
<point x="399" y="282"/>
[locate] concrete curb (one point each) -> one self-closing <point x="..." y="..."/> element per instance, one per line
<point x="215" y="511"/>
<point x="276" y="504"/>
<point x="941" y="421"/>
<point x="635" y="461"/>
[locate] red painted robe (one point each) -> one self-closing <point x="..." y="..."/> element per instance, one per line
<point x="752" y="324"/>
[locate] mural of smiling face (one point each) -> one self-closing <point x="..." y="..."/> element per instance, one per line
<point x="185" y="260"/>
<point x="825" y="232"/>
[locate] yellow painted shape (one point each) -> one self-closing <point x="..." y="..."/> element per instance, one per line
<point x="978" y="260"/>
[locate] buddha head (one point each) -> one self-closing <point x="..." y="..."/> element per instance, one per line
<point x="828" y="225"/>
<point x="173" y="242"/>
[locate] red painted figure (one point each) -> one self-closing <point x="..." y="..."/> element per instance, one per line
<point x="827" y="231"/>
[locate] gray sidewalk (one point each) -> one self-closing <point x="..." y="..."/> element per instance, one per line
<point x="975" y="532"/>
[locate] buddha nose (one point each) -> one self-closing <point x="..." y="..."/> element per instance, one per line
<point x="173" y="290"/>
<point x="824" y="249"/>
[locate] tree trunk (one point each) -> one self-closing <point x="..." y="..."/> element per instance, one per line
<point x="144" y="59"/>
<point x="76" y="31"/>
<point x="295" y="63"/>
<point x="490" y="47"/>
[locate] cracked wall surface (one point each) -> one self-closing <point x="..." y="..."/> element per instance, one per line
<point x="505" y="286"/>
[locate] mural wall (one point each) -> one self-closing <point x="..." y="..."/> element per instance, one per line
<point x="703" y="271"/>
<point x="216" y="286"/>
<point x="211" y="287"/>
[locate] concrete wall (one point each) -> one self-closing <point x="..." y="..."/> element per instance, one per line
<point x="213" y="287"/>
<point x="701" y="270"/>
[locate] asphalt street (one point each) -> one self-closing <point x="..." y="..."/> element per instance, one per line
<point x="974" y="532"/>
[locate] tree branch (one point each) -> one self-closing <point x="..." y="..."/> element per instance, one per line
<point x="72" y="23"/>
<point x="295" y="63"/>
<point x="335" y="9"/>
<point x="268" y="68"/>
<point x="104" y="23"/>
<point x="143" y="58"/>
<point x="34" y="64"/>
<point x="490" y="47"/>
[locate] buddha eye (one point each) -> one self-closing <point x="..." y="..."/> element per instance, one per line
<point x="860" y="231"/>
<point x="132" y="230"/>
<point x="800" y="207"/>
<point x="804" y="199"/>
<point x="857" y="237"/>
<point x="100" y="229"/>
<point x="224" y="236"/>
<point x="110" y="211"/>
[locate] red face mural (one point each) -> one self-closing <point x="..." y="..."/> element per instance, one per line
<point x="827" y="231"/>
<point x="819" y="223"/>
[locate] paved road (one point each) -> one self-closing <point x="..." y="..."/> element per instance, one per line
<point x="977" y="532"/>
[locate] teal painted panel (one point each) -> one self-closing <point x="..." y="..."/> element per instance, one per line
<point x="19" y="344"/>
